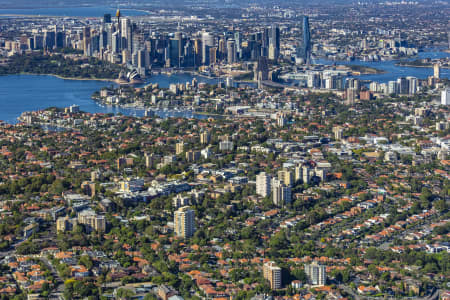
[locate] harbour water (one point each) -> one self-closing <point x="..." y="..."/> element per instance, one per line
<point x="391" y="70"/>
<point x="19" y="93"/>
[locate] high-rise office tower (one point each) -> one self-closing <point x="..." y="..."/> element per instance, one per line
<point x="118" y="15"/>
<point x="274" y="41"/>
<point x="207" y="42"/>
<point x="306" y="49"/>
<point x="212" y="55"/>
<point x="184" y="222"/>
<point x="179" y="37"/>
<point x="272" y="273"/>
<point x="198" y="51"/>
<point x="263" y="184"/>
<point x="238" y="41"/>
<point x="115" y="42"/>
<point x="107" y="18"/>
<point x="174" y="52"/>
<point x="60" y="39"/>
<point x="141" y="59"/>
<point x="316" y="273"/>
<point x="49" y="39"/>
<point x="222" y="49"/>
<point x="126" y="32"/>
<point x="231" y="51"/>
<point x="86" y="40"/>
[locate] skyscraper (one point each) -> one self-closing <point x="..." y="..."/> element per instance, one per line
<point x="184" y="220"/>
<point x="274" y="41"/>
<point x="207" y="42"/>
<point x="306" y="48"/>
<point x="231" y="51"/>
<point x="86" y="40"/>
<point x="107" y="18"/>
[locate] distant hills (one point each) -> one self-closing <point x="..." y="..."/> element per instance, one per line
<point x="177" y="3"/>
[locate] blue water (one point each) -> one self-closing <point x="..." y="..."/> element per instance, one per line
<point x="392" y="71"/>
<point x="89" y="11"/>
<point x="19" y="93"/>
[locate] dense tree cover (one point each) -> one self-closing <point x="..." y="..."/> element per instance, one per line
<point x="57" y="64"/>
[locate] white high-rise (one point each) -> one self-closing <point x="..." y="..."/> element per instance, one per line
<point x="184" y="222"/>
<point x="263" y="184"/>
<point x="316" y="273"/>
<point x="445" y="97"/>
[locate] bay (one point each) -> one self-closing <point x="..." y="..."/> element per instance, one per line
<point x="19" y="93"/>
<point x="392" y="71"/>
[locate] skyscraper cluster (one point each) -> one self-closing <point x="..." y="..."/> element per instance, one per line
<point x="122" y="41"/>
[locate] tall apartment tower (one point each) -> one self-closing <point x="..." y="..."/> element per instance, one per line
<point x="316" y="273"/>
<point x="338" y="132"/>
<point x="184" y="222"/>
<point x="205" y="137"/>
<point x="263" y="184"/>
<point x="286" y="176"/>
<point x="273" y="274"/>
<point x="179" y="148"/>
<point x="281" y="193"/>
